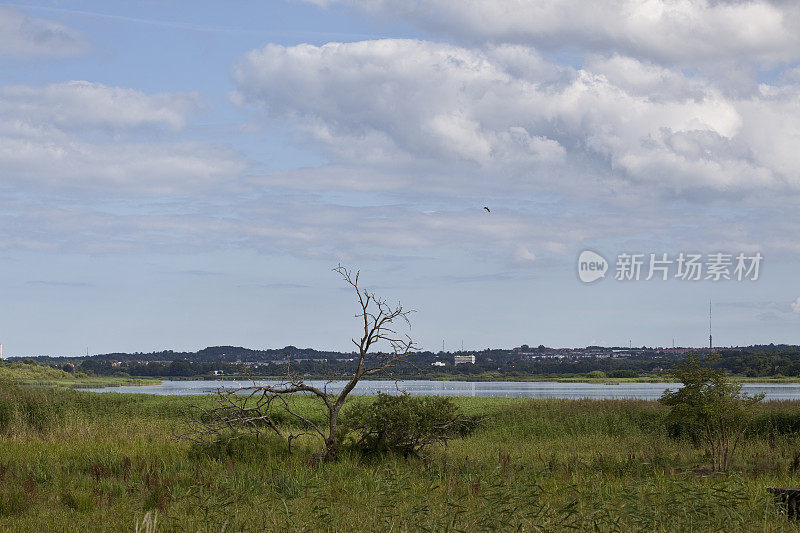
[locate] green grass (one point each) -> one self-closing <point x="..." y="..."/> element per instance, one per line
<point x="26" y="371"/>
<point x="72" y="460"/>
<point x="42" y="376"/>
<point x="94" y="382"/>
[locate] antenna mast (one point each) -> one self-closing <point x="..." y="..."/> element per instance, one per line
<point x="710" y="343"/>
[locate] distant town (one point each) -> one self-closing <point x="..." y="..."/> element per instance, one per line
<point x="491" y="363"/>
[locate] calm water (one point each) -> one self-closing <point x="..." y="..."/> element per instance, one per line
<point x="511" y="389"/>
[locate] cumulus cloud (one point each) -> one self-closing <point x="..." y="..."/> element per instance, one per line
<point x="660" y="30"/>
<point x="355" y="93"/>
<point x="22" y="35"/>
<point x="411" y="129"/>
<point x="796" y="306"/>
<point x="420" y="124"/>
<point x="505" y="110"/>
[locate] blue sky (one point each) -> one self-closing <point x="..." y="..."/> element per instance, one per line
<point x="176" y="175"/>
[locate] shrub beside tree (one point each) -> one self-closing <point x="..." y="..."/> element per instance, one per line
<point x="710" y="408"/>
<point x="404" y="424"/>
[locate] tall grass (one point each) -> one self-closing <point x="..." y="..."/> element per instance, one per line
<point x="24" y="409"/>
<point x="36" y="375"/>
<point x="31" y="371"/>
<point x="109" y="462"/>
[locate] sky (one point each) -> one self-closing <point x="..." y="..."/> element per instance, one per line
<point x="176" y="175"/>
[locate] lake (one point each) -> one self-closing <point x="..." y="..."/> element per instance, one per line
<point x="502" y="389"/>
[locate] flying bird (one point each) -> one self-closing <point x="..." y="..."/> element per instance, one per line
<point x="487" y="209"/>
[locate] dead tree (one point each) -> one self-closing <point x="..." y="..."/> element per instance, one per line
<point x="254" y="409"/>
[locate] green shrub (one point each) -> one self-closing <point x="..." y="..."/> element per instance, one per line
<point x="404" y="424"/>
<point x="710" y="408"/>
<point x="623" y="374"/>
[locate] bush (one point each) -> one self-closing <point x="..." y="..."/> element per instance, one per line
<point x="623" y="374"/>
<point x="404" y="424"/>
<point x="710" y="408"/>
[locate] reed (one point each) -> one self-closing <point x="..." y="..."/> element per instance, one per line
<point x="109" y="461"/>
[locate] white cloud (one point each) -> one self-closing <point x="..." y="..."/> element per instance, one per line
<point x="647" y="80"/>
<point x="520" y="233"/>
<point x="301" y="226"/>
<point x="53" y="160"/>
<point x="22" y="35"/>
<point x="81" y="104"/>
<point x="504" y="111"/>
<point x="796" y="306"/>
<point x="415" y="133"/>
<point x="661" y="30"/>
<point x="524" y="255"/>
<point x="57" y="137"/>
<point x="355" y="93"/>
<point x="309" y="225"/>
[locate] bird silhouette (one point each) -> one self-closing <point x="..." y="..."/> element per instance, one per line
<point x="487" y="209"/>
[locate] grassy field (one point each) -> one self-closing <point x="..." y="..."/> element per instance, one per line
<point x="36" y="375"/>
<point x="72" y="460"/>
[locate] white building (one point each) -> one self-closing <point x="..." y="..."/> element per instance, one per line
<point x="459" y="359"/>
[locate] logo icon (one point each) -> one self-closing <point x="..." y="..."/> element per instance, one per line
<point x="591" y="266"/>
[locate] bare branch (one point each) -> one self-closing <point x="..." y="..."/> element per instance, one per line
<point x="250" y="410"/>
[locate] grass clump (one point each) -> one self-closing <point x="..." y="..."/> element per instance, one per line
<point x="78" y="501"/>
<point x="22" y="409"/>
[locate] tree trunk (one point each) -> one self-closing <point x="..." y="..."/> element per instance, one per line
<point x="332" y="442"/>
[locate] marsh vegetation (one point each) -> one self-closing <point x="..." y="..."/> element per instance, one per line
<point x="88" y="461"/>
<point x="32" y="374"/>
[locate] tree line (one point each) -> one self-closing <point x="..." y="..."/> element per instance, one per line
<point x="749" y="362"/>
